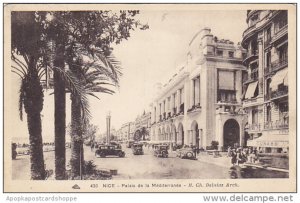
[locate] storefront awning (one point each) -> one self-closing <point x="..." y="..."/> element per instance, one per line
<point x="276" y="141"/>
<point x="279" y="78"/>
<point x="250" y="90"/>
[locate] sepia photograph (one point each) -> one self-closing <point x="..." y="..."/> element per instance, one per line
<point x="149" y="98"/>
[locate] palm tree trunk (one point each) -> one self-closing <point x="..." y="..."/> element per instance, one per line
<point x="59" y="117"/>
<point x="33" y="104"/>
<point x="36" y="146"/>
<point x="77" y="158"/>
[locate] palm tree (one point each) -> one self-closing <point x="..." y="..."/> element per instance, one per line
<point x="96" y="76"/>
<point x="26" y="54"/>
<point x="89" y="29"/>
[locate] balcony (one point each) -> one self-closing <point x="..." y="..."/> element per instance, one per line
<point x="253" y="77"/>
<point x="194" y="108"/>
<point x="251" y="55"/>
<point x="282" y="92"/>
<point x="280" y="33"/>
<point x="255" y="127"/>
<point x="275" y="66"/>
<point x="277" y="125"/>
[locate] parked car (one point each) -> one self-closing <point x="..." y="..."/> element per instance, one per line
<point x="161" y="151"/>
<point x="137" y="148"/>
<point x="186" y="153"/>
<point x="268" y="166"/>
<point x="109" y="150"/>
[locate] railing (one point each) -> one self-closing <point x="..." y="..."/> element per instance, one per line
<point x="279" y="124"/>
<point x="252" y="53"/>
<point x="278" y="64"/>
<point x="194" y="107"/>
<point x="254" y="127"/>
<point x="280" y="92"/>
<point x="253" y="77"/>
<point x="228" y="101"/>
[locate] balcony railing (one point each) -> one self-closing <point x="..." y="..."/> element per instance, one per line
<point x="279" y="124"/>
<point x="280" y="33"/>
<point x="278" y="64"/>
<point x="194" y="107"/>
<point x="280" y="92"/>
<point x="254" y="127"/>
<point x="251" y="55"/>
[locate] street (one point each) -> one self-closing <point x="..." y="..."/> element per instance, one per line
<point x="132" y="166"/>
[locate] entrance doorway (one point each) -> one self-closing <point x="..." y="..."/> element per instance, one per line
<point x="231" y="133"/>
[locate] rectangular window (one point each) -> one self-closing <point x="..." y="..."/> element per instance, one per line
<point x="283" y="54"/>
<point x="268" y="59"/>
<point x="231" y="54"/>
<point x="196" y="91"/>
<point x="181" y="96"/>
<point x="169" y="103"/>
<point x="219" y="53"/>
<point x="174" y="100"/>
<point x="269" y="114"/>
<point x="226" y="80"/>
<point x="255" y="116"/>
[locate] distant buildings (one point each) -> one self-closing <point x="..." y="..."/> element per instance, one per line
<point x="266" y="87"/>
<point x="202" y="103"/>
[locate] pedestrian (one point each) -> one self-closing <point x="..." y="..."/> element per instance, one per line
<point x="233" y="157"/>
<point x="229" y="152"/>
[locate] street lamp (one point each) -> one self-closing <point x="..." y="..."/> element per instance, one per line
<point x="108" y="118"/>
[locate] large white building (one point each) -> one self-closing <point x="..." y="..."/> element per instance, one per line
<point x="201" y="103"/>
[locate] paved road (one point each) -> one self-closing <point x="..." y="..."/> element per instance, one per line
<point x="136" y="166"/>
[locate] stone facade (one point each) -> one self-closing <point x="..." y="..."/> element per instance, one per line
<point x="266" y="84"/>
<point x="203" y="97"/>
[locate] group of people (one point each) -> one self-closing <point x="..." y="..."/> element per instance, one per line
<point x="241" y="155"/>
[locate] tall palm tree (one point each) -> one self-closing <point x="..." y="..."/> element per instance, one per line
<point x="26" y="54"/>
<point x="96" y="77"/>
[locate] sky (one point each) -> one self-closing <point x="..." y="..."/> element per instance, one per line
<point x="148" y="57"/>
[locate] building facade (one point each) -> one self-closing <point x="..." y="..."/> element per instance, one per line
<point x="202" y="102"/>
<point x="265" y="99"/>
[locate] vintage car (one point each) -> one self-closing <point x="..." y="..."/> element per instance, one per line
<point x="109" y="150"/>
<point x="268" y="166"/>
<point x="137" y="148"/>
<point x="186" y="153"/>
<point x="161" y="150"/>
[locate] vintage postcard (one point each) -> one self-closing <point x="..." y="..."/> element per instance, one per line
<point x="149" y="98"/>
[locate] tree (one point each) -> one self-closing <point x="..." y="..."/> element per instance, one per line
<point x="27" y="44"/>
<point x="94" y="30"/>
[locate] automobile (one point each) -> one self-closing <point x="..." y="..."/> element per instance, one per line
<point x="161" y="150"/>
<point x="129" y="143"/>
<point x="267" y="166"/>
<point x="186" y="153"/>
<point x="137" y="148"/>
<point x="109" y="150"/>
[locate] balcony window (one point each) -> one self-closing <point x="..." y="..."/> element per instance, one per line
<point x="282" y="21"/>
<point x="254" y="116"/>
<point x="268" y="36"/>
<point x="174" y="100"/>
<point x="196" y="91"/>
<point x="283" y="53"/>
<point x="284" y="113"/>
<point x="269" y="113"/>
<point x="169" y="103"/>
<point x="181" y="91"/>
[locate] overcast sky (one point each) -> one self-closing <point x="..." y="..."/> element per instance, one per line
<point x="147" y="57"/>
